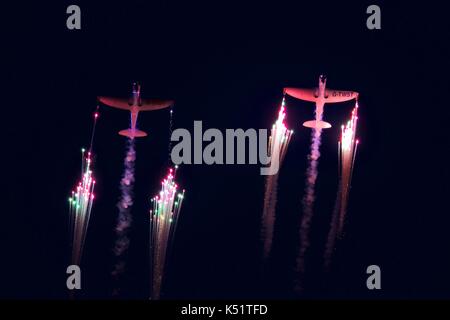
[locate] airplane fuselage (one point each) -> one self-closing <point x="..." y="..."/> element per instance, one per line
<point x="320" y="102"/>
<point x="134" y="115"/>
<point x="135" y="102"/>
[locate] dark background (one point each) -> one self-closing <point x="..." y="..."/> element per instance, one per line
<point x="226" y="65"/>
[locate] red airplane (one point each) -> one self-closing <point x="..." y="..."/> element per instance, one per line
<point x="320" y="96"/>
<point x="135" y="104"/>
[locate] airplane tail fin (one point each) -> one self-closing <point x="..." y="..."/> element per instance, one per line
<point x="317" y="124"/>
<point x="130" y="133"/>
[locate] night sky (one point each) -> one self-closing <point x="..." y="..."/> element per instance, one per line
<point x="227" y="65"/>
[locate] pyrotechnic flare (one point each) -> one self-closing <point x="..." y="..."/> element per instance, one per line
<point x="163" y="219"/>
<point x="278" y="143"/>
<point x="347" y="147"/>
<point x="80" y="207"/>
<point x="81" y="200"/>
<point x="124" y="205"/>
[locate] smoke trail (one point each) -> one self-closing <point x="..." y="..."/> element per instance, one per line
<point x="346" y="184"/>
<point x="278" y="143"/>
<point x="268" y="217"/>
<point x="124" y="205"/>
<point x="333" y="232"/>
<point x="308" y="199"/>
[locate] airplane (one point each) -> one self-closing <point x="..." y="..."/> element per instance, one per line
<point x="135" y="104"/>
<point x="320" y="96"/>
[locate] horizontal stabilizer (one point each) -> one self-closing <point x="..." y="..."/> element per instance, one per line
<point x="130" y="133"/>
<point x="317" y="124"/>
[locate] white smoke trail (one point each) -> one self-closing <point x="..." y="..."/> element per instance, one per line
<point x="268" y="218"/>
<point x="333" y="232"/>
<point x="308" y="199"/>
<point x="124" y="205"/>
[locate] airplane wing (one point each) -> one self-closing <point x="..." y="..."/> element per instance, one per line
<point x="302" y="94"/>
<point x="154" y="104"/>
<point x="339" y="95"/>
<point x="115" y="102"/>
